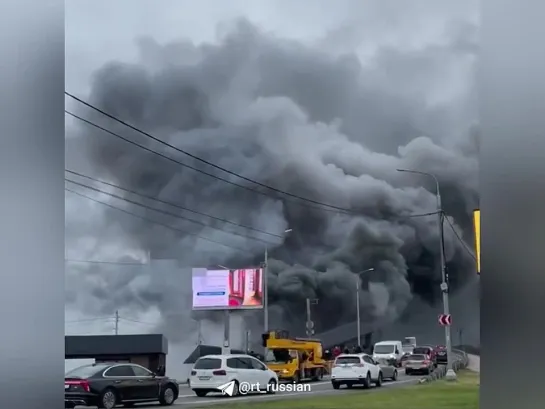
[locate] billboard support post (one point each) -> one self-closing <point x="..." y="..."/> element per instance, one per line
<point x="266" y="292"/>
<point x="227" y="332"/>
<point x="266" y="296"/>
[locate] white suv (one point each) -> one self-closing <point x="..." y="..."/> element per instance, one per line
<point x="355" y="369"/>
<point x="212" y="371"/>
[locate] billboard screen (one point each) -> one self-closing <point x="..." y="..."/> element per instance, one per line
<point x="227" y="289"/>
<point x="477" y="229"/>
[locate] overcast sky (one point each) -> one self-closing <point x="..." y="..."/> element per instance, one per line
<point x="99" y="31"/>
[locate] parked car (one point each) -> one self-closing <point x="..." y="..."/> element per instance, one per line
<point x="418" y="364"/>
<point x="355" y="369"/>
<point x="106" y="385"/>
<point x="388" y="368"/>
<point x="429" y="351"/>
<point x="212" y="371"/>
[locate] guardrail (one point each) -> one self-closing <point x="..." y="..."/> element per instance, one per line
<point x="461" y="360"/>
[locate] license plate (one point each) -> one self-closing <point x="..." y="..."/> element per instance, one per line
<point x="66" y="386"/>
<point x="204" y="378"/>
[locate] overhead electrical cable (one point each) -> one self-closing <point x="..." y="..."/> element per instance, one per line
<point x="173" y="204"/>
<point x="151" y="221"/>
<point x="200" y="223"/>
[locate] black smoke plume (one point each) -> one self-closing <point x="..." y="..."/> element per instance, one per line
<point x="323" y="126"/>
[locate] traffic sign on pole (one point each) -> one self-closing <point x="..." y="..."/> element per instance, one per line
<point x="310" y="325"/>
<point x="445" y="319"/>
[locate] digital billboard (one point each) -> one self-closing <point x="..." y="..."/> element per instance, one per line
<point x="215" y="289"/>
<point x="477" y="229"/>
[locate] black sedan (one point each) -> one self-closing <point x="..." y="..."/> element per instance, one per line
<point x="106" y="385"/>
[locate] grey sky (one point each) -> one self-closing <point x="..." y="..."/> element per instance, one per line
<point x="100" y="31"/>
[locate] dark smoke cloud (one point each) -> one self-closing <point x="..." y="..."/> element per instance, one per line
<point x="323" y="126"/>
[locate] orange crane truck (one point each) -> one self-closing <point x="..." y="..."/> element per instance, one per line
<point x="294" y="359"/>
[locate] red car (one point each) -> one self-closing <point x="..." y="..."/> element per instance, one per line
<point x="428" y="351"/>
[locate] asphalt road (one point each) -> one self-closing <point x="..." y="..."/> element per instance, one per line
<point x="188" y="399"/>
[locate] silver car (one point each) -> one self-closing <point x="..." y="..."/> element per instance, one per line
<point x="418" y="364"/>
<point x="388" y="368"/>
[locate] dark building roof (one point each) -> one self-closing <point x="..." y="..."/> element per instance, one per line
<point x="92" y="346"/>
<point x="203" y="350"/>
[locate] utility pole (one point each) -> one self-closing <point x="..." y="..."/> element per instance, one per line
<point x="450" y="375"/>
<point x="266" y="287"/>
<point x="310" y="323"/>
<point x="116" y="322"/>
<point x="358" y="319"/>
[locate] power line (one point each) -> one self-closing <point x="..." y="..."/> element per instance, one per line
<point x="117" y="263"/>
<point x="328" y="207"/>
<point x="166" y="226"/>
<point x="203" y="160"/>
<point x="165" y="212"/>
<point x="342" y="211"/>
<point x="136" y="321"/>
<point x="200" y="170"/>
<point x="464" y="245"/>
<point x="173" y="204"/>
<point x="88" y="320"/>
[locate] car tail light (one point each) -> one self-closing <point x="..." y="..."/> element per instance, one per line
<point x="193" y="372"/>
<point x="427" y="362"/>
<point x="83" y="384"/>
<point x="219" y="373"/>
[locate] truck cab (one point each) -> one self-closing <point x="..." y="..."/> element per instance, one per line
<point x="293" y="359"/>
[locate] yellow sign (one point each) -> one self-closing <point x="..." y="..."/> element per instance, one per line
<point x="477" y="229"/>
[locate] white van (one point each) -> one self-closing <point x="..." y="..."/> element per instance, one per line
<point x="390" y="350"/>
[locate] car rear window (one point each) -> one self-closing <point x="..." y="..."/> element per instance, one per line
<point x="208" y="363"/>
<point x="85" y="371"/>
<point x="421" y="350"/>
<point x="418" y="357"/>
<point x="344" y="360"/>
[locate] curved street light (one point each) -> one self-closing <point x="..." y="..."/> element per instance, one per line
<point x="358" y="323"/>
<point x="444" y="278"/>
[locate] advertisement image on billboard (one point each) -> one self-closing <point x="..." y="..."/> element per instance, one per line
<point x="215" y="289"/>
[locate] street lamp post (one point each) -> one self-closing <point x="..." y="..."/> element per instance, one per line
<point x="358" y="323"/>
<point x="266" y="287"/>
<point x="444" y="278"/>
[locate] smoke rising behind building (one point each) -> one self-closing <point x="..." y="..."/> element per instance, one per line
<point x="325" y="126"/>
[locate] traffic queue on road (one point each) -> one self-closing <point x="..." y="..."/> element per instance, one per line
<point x="292" y="361"/>
<point x="298" y="360"/>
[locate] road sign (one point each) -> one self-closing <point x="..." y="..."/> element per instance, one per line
<point x="310" y="324"/>
<point x="445" y="319"/>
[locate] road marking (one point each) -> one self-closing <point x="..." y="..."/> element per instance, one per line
<point x="219" y="399"/>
